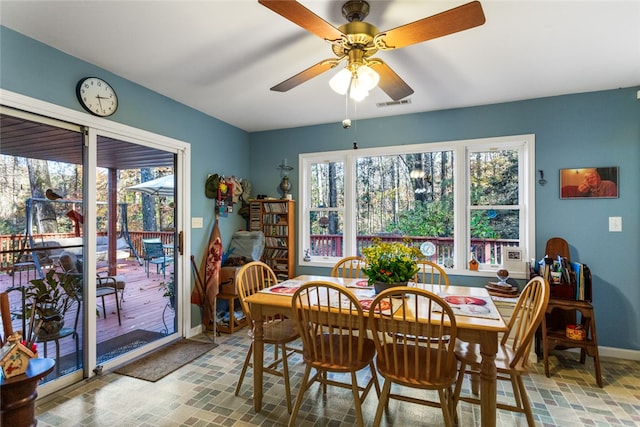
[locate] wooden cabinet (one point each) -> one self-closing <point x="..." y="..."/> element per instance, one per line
<point x="275" y="218"/>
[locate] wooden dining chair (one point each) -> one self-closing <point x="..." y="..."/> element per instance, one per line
<point x="412" y="353"/>
<point x="349" y="268"/>
<point x="330" y="320"/>
<point x="431" y="273"/>
<point x="278" y="331"/>
<point x="512" y="359"/>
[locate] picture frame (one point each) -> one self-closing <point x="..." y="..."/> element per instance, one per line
<point x="513" y="259"/>
<point x="589" y="182"/>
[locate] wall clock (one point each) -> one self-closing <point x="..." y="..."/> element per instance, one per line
<point x="97" y="96"/>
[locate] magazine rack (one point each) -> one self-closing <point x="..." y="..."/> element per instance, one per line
<point x="562" y="312"/>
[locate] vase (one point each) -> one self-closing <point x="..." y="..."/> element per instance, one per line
<point x="51" y="327"/>
<point x="285" y="186"/>
<point x="383" y="286"/>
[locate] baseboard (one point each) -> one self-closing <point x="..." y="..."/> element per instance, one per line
<point x="620" y="353"/>
<point x="194" y="331"/>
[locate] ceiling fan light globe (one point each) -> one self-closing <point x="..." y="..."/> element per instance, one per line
<point x="341" y="81"/>
<point x="358" y="91"/>
<point x="368" y="77"/>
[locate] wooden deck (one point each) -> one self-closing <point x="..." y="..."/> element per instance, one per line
<point x="142" y="308"/>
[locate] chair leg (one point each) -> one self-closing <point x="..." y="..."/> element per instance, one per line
<point x="247" y="362"/>
<point x="303" y="389"/>
<point x="526" y="406"/>
<point x="356" y="399"/>
<point x="104" y="310"/>
<point x="75" y="335"/>
<point x="57" y="356"/>
<point x="545" y="346"/>
<point x="458" y="387"/>
<point x="117" y="306"/>
<point x="374" y="378"/>
<point x="445" y="405"/>
<point x="285" y="374"/>
<point x="382" y="402"/>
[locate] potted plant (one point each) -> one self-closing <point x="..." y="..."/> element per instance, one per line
<point x="169" y="291"/>
<point x="47" y="301"/>
<point x="390" y="263"/>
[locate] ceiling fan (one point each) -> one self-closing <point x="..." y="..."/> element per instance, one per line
<point x="357" y="41"/>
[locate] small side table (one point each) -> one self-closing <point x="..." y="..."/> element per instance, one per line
<point x="552" y="338"/>
<point x="234" y="324"/>
<point x="18" y="394"/>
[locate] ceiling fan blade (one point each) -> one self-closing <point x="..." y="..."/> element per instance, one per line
<point x="457" y="19"/>
<point x="300" y="15"/>
<point x="390" y="82"/>
<point x="308" y="74"/>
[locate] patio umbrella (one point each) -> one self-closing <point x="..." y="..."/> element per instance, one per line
<point x="163" y="186"/>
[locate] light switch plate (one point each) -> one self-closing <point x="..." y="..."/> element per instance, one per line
<point x="615" y="223"/>
<point x="197" y="222"/>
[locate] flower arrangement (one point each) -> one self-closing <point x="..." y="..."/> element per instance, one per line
<point x="391" y="262"/>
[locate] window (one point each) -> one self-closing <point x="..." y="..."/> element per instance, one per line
<point x="467" y="199"/>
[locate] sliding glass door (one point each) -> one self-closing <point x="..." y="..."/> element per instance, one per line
<point x="136" y="240"/>
<point x="41" y="235"/>
<point x="98" y="212"/>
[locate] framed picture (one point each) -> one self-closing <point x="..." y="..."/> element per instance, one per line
<point x="513" y="259"/>
<point x="589" y="182"/>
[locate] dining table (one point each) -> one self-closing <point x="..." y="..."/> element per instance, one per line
<point x="482" y="330"/>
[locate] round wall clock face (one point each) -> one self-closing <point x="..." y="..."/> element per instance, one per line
<point x="97" y="96"/>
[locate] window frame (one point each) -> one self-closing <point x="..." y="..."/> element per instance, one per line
<point x="461" y="149"/>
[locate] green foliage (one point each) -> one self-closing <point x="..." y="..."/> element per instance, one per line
<point x="434" y="219"/>
<point x="391" y="262"/>
<point x="481" y="226"/>
<point x="55" y="292"/>
<point x="168" y="289"/>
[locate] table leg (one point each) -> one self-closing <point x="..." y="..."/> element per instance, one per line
<point x="258" y="356"/>
<point x="488" y="390"/>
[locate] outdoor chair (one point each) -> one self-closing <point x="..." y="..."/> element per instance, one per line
<point x="411" y="353"/>
<point x="154" y="254"/>
<point x="105" y="285"/>
<point x="331" y="321"/>
<point x="278" y="331"/>
<point x="512" y="359"/>
<point x="349" y="267"/>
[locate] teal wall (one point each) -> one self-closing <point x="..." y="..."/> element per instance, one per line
<point x="581" y="130"/>
<point x="590" y="129"/>
<point x="33" y="69"/>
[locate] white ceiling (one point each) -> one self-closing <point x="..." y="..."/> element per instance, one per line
<point x="221" y="57"/>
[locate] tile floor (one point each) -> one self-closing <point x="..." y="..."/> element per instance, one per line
<point x="202" y="394"/>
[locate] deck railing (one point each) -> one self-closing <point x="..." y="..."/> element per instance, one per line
<point x="11" y="245"/>
<point x="484" y="250"/>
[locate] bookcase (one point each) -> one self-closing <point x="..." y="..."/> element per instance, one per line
<point x="275" y="218"/>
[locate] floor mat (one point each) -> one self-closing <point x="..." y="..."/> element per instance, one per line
<point x="166" y="360"/>
<point x="106" y="350"/>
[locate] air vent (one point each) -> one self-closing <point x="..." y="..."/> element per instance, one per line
<point x="393" y="103"/>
